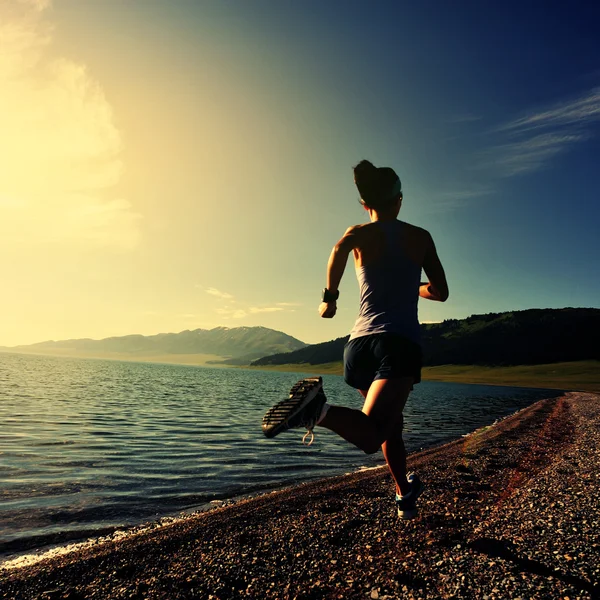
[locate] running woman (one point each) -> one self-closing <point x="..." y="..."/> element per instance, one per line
<point x="382" y="358"/>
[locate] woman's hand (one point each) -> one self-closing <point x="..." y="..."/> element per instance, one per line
<point x="328" y="309"/>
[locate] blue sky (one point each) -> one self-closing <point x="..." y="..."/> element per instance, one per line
<point x="234" y="126"/>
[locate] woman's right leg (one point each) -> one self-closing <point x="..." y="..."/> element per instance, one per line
<point x="370" y="428"/>
<point x="354" y="426"/>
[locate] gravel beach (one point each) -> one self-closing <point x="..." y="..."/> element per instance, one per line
<point x="510" y="511"/>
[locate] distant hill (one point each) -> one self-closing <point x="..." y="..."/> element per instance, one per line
<point x="246" y="342"/>
<point x="526" y="337"/>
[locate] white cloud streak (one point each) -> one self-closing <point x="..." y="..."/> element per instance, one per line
<point x="524" y="145"/>
<point x="264" y="309"/>
<point x="534" y="153"/>
<point x="539" y="137"/>
<point x="236" y="312"/>
<point x="577" y="112"/>
<point x="215" y="292"/>
<point x="229" y="313"/>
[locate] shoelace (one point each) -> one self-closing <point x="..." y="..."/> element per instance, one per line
<point x="310" y="425"/>
<point x="312" y="437"/>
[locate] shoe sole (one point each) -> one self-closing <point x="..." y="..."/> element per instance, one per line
<point x="275" y="420"/>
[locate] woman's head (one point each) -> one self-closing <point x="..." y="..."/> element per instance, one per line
<point x="379" y="188"/>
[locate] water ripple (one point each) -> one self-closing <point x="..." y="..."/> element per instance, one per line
<point x="88" y="444"/>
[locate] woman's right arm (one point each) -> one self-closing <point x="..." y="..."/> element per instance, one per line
<point x="437" y="286"/>
<point x="335" y="269"/>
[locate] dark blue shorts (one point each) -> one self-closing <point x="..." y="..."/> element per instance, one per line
<point x="381" y="356"/>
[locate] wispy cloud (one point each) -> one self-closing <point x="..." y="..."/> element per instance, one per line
<point x="529" y="143"/>
<point x="231" y="313"/>
<point x="239" y="311"/>
<point x="264" y="309"/>
<point x="532" y="153"/>
<point x="524" y="144"/>
<point x="215" y="292"/>
<point x="234" y="309"/>
<point x="60" y="150"/>
<point x="577" y="112"/>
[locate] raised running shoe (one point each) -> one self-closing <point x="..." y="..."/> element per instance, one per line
<point x="302" y="409"/>
<point x="407" y="504"/>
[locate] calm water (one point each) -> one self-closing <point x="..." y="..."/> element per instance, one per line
<point x="86" y="444"/>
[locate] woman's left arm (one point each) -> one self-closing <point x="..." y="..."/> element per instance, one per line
<point x="335" y="269"/>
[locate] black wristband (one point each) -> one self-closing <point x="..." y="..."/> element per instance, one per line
<point x="330" y="296"/>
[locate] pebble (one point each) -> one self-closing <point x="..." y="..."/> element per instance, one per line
<point x="287" y="544"/>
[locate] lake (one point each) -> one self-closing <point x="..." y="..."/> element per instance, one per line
<point x="89" y="444"/>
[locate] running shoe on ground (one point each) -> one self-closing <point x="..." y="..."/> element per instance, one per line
<point x="407" y="505"/>
<point x="302" y="409"/>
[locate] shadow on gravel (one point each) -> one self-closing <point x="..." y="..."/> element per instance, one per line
<point x="502" y="549"/>
<point x="411" y="581"/>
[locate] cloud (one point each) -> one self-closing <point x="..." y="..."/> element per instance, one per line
<point x="524" y="144"/>
<point x="577" y="112"/>
<point x="215" y="292"/>
<point x="533" y="153"/>
<point x="60" y="150"/>
<point x="265" y="309"/>
<point x="229" y="313"/>
<point x="237" y="312"/>
<point x="38" y="5"/>
<point x="531" y="142"/>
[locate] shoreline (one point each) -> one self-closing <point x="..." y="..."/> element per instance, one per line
<point x="30" y="550"/>
<point x="581" y="376"/>
<point x="28" y="557"/>
<point x="493" y="522"/>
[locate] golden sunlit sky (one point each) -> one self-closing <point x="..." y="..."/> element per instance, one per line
<point x="169" y="165"/>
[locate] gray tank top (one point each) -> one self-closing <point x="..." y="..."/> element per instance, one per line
<point x="389" y="290"/>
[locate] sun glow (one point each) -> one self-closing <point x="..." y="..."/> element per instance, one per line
<point x="59" y="149"/>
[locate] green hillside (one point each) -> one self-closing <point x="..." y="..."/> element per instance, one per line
<point x="528" y="337"/>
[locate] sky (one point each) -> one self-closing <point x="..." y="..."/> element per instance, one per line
<point x="176" y="164"/>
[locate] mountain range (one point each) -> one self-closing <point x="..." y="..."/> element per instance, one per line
<point x="241" y="344"/>
<point x="535" y="336"/>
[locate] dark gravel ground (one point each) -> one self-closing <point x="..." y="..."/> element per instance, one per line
<point x="511" y="511"/>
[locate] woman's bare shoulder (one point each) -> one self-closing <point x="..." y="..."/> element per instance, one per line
<point x="360" y="230"/>
<point x="416" y="231"/>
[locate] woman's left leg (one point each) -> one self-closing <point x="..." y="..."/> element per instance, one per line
<point x="388" y="414"/>
<point x="394" y="453"/>
<point x="395" y="456"/>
